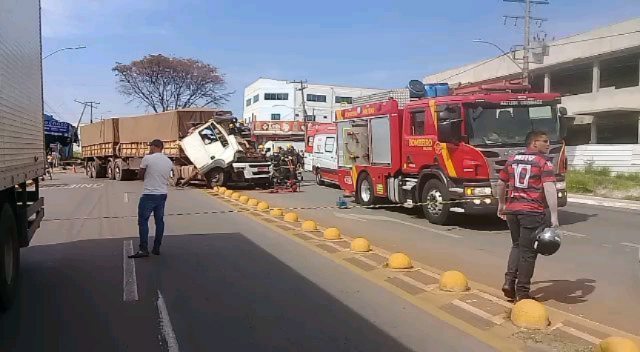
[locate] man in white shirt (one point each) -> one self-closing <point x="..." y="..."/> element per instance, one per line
<point x="155" y="169"/>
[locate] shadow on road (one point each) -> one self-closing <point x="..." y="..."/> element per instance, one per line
<point x="221" y="290"/>
<point x="566" y="217"/>
<point x="564" y="291"/>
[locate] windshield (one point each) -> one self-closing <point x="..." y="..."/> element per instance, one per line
<point x="491" y="125"/>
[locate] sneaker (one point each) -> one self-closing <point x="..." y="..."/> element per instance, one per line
<point x="156" y="251"/>
<point x="140" y="254"/>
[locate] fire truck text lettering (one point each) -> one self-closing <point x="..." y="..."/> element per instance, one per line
<point x="421" y="142"/>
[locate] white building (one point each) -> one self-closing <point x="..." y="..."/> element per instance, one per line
<point x="276" y="100"/>
<point x="598" y="75"/>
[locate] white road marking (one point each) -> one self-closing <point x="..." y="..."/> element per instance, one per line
<point x="385" y="218"/>
<point x="630" y="244"/>
<point x="347" y="216"/>
<point x="165" y="325"/>
<point x="126" y="197"/>
<point x="417" y="283"/>
<point x="492" y="298"/>
<point x="479" y="312"/>
<point x="594" y="340"/>
<point x="129" y="283"/>
<point x="575" y="234"/>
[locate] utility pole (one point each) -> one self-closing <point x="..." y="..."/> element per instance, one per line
<point x="304" y="107"/>
<point x="91" y="104"/>
<point x="527" y="31"/>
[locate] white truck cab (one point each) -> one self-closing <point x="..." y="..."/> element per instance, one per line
<point x="210" y="147"/>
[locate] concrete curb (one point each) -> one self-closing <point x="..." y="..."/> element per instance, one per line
<point x="605" y="202"/>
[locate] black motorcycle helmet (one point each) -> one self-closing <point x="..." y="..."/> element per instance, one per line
<point x="547" y="241"/>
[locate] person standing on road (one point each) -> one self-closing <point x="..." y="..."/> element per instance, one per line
<point x="527" y="197"/>
<point x="155" y="169"/>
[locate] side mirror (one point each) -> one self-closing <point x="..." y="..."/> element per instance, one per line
<point x="450" y="131"/>
<point x="562" y="111"/>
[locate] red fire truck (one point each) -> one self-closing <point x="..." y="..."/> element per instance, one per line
<point x="443" y="152"/>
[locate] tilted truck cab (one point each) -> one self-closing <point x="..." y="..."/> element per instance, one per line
<point x="443" y="152"/>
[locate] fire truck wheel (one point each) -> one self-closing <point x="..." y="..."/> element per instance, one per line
<point x="433" y="194"/>
<point x="319" y="180"/>
<point x="364" y="191"/>
<point x="9" y="257"/>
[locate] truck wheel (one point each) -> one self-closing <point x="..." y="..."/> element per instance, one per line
<point x="92" y="170"/>
<point x="87" y="169"/>
<point x="100" y="171"/>
<point x="217" y="177"/>
<point x="117" y="171"/>
<point x="319" y="180"/>
<point x="174" y="178"/>
<point x="434" y="194"/>
<point x="364" y="191"/>
<point x="9" y="258"/>
<point x="110" y="171"/>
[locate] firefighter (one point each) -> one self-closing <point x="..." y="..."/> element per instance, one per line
<point x="527" y="200"/>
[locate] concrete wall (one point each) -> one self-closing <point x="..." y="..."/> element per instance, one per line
<point x="560" y="53"/>
<point x="619" y="157"/>
<point x="605" y="98"/>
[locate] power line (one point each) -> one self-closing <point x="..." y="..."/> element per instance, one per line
<point x="91" y="104"/>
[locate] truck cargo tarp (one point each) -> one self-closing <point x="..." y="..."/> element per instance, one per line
<point x="105" y="131"/>
<point x="166" y="126"/>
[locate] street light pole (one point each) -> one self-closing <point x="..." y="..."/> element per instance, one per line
<point x="63" y="49"/>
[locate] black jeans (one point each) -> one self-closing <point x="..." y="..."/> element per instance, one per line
<point x="522" y="259"/>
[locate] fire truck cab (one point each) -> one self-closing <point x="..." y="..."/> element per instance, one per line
<point x="443" y="152"/>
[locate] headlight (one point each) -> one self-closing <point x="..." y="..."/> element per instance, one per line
<point x="477" y="191"/>
<point x="561" y="185"/>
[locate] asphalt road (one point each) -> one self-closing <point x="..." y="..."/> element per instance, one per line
<point x="596" y="273"/>
<point x="223" y="282"/>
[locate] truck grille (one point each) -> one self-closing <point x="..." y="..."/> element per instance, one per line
<point x="497" y="158"/>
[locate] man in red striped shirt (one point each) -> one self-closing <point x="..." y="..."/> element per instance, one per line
<point x="527" y="200"/>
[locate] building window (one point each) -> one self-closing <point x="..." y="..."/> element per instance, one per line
<point x="248" y="102"/>
<point x="275" y="117"/>
<point x="346" y="100"/>
<point x="317" y="98"/>
<point x="276" y="96"/>
<point x="256" y="98"/>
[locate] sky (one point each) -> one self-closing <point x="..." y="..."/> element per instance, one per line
<point x="355" y="43"/>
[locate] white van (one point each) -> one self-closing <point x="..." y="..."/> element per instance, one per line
<point x="325" y="158"/>
<point x="271" y="146"/>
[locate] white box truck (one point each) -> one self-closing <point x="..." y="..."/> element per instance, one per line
<point x="22" y="155"/>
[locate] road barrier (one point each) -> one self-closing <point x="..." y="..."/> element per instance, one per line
<point x="253" y="202"/>
<point x="360" y="244"/>
<point x="228" y="193"/>
<point x="309" y="225"/>
<point x="530" y="314"/>
<point x="276" y="212"/>
<point x="617" y="344"/>
<point x="291" y="217"/>
<point x="454" y="281"/>
<point x="399" y="261"/>
<point x="331" y="234"/>
<point x="215" y="189"/>
<point x="235" y="196"/>
<point x="221" y="190"/>
<point x="243" y="199"/>
<point x="263" y="206"/>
